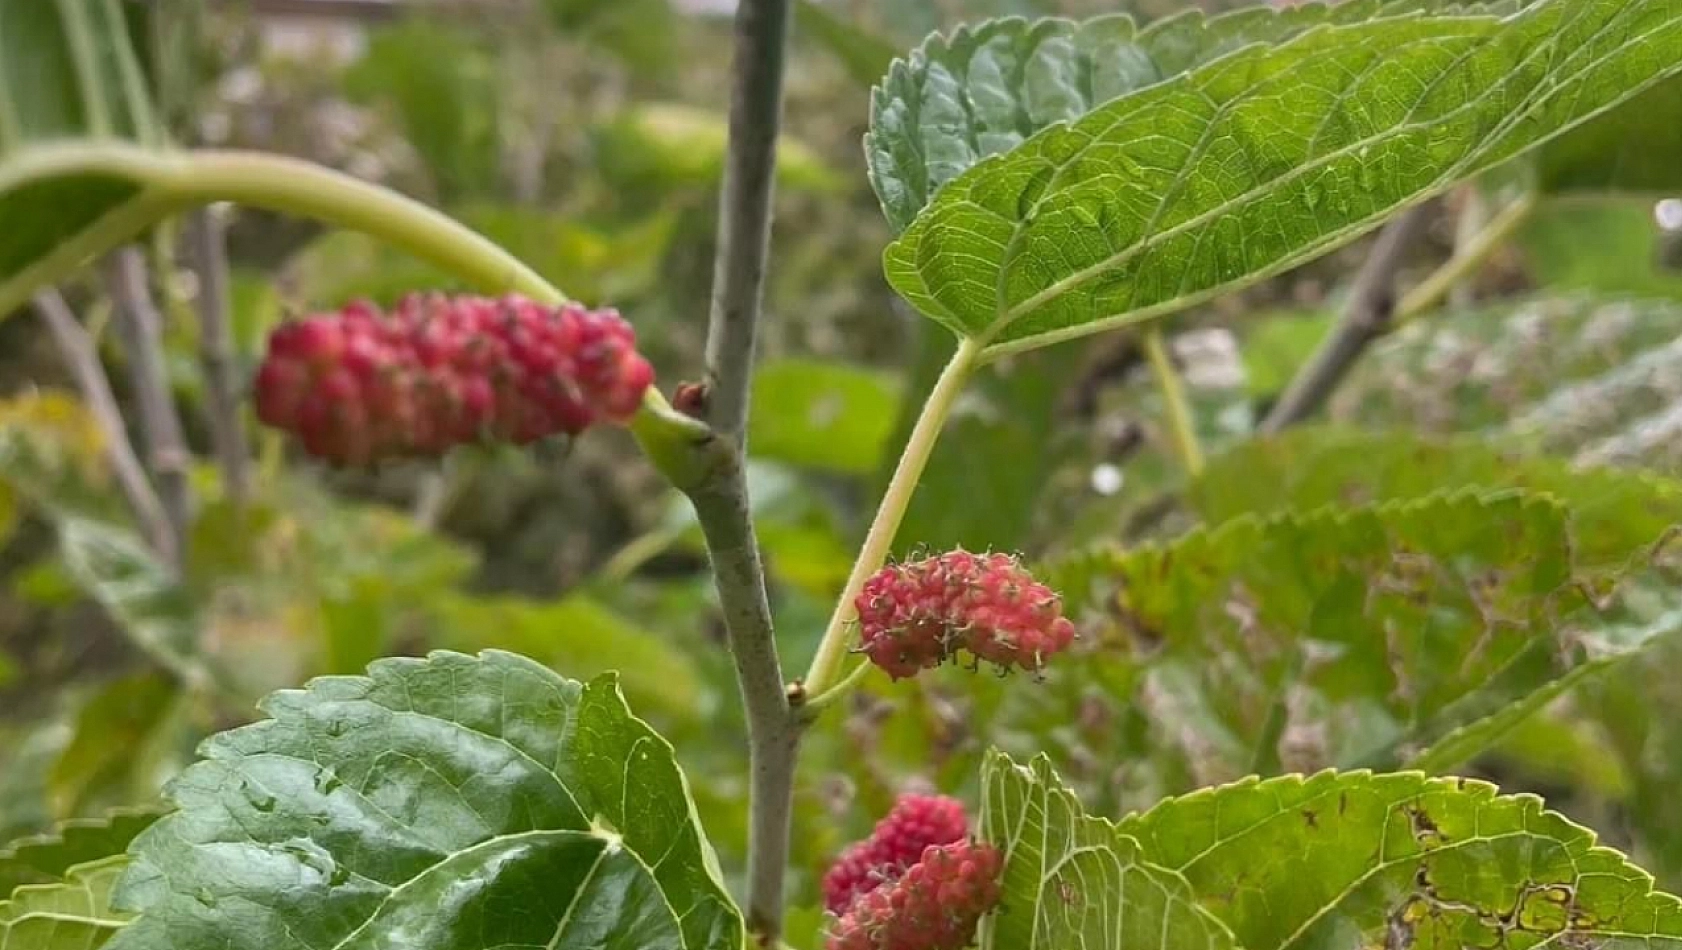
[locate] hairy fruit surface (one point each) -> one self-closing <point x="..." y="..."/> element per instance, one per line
<point x="916" y="822"/>
<point x="917" y="615"/>
<point x="361" y="385"/>
<point x="935" y="905"/>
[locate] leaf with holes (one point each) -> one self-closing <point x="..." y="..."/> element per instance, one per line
<point x="451" y="802"/>
<point x="1071" y="880"/>
<point x="73" y="914"/>
<point x="1258" y="161"/>
<point x="1355" y="859"/>
<point x="1347" y="637"/>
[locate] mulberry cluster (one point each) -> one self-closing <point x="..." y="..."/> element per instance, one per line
<point x="917" y="615"/>
<point x="361" y="386"/>
<point x="916" y="822"/>
<point x="935" y="905"/>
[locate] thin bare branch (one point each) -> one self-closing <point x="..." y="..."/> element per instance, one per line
<point x="208" y="251"/>
<point x="744" y="225"/>
<point x="720" y="495"/>
<point x="140" y="326"/>
<point x="1366" y="317"/>
<point x="81" y="358"/>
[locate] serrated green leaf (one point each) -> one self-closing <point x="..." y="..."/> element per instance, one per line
<point x="1613" y="512"/>
<point x="440" y="803"/>
<point x="1071" y="880"/>
<point x="1349" y="637"/>
<point x="1356" y="859"/>
<point x="1258" y="161"/>
<point x="987" y="88"/>
<point x="74" y="914"/>
<point x="48" y="857"/>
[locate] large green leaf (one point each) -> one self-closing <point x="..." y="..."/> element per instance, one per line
<point x="451" y="802"/>
<point x="74" y="914"/>
<point x="48" y="857"/>
<point x="1074" y="881"/>
<point x="987" y="88"/>
<point x="1259" y="160"/>
<point x="1349" y="637"/>
<point x="1355" y="859"/>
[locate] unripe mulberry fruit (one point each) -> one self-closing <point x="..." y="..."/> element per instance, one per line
<point x="935" y="905"/>
<point x="361" y="385"/>
<point x="916" y="822"/>
<point x="917" y="615"/>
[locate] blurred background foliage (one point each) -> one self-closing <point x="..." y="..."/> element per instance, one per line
<point x="587" y="136"/>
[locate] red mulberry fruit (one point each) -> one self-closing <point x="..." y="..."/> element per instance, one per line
<point x="361" y="386"/>
<point x="916" y="822"/>
<point x="915" y="616"/>
<point x="935" y="905"/>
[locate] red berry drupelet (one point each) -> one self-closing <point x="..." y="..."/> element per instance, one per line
<point x="917" y="615"/>
<point x="361" y="386"/>
<point x="916" y="822"/>
<point x="935" y="905"/>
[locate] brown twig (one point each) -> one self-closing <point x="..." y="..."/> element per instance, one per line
<point x="208" y="250"/>
<point x="720" y="497"/>
<point x="1365" y="317"/>
<point x="81" y="358"/>
<point x="140" y="326"/>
